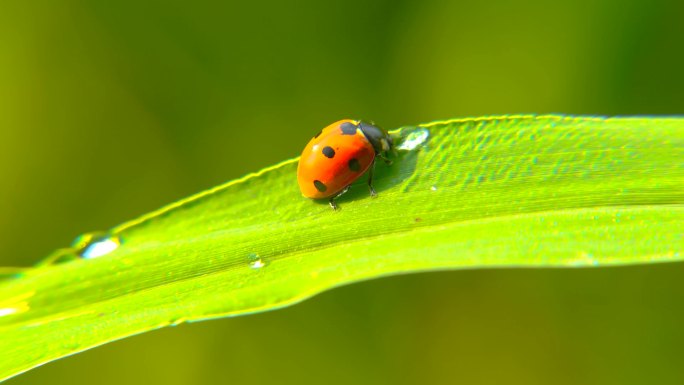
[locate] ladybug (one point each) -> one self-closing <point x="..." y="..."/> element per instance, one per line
<point x="339" y="155"/>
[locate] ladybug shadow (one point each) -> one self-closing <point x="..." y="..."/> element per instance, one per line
<point x="385" y="177"/>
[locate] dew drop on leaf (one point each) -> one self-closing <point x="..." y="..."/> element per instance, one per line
<point x="7" y="311"/>
<point x="16" y="305"/>
<point x="412" y="137"/>
<point x="255" y="261"/>
<point x="95" y="245"/>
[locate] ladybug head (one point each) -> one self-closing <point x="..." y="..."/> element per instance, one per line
<point x="379" y="138"/>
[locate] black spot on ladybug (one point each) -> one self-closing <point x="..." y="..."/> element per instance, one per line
<point x="354" y="164"/>
<point x="319" y="134"/>
<point x="328" y="152"/>
<point x="348" y="128"/>
<point x="320" y="186"/>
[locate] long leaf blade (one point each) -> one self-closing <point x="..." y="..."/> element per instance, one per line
<point x="537" y="191"/>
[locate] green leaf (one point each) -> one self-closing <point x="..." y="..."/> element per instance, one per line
<point x="541" y="191"/>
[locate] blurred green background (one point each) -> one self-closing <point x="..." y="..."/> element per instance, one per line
<point x="111" y="109"/>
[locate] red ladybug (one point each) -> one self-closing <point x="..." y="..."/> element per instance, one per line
<point x="339" y="155"/>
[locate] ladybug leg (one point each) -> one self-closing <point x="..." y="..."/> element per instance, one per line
<point x="370" y="180"/>
<point x="387" y="160"/>
<point x="334" y="205"/>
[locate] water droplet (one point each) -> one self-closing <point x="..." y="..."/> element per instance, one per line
<point x="433" y="188"/>
<point x="8" y="311"/>
<point x="255" y="261"/>
<point x="95" y="245"/>
<point x="15" y="305"/>
<point x="412" y="137"/>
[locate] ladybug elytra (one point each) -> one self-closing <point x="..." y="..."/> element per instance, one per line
<point x="339" y="155"/>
